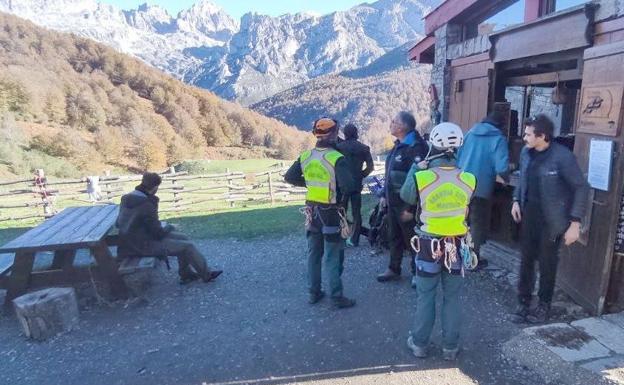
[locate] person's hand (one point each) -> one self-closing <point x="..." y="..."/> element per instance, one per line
<point x="423" y="164"/>
<point x="500" y="180"/>
<point x="382" y="202"/>
<point x="406" y="216"/>
<point x="515" y="212"/>
<point x="572" y="234"/>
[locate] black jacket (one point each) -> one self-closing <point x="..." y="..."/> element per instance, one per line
<point x="563" y="189"/>
<point x="399" y="162"/>
<point x="357" y="154"/>
<point x="138" y="223"/>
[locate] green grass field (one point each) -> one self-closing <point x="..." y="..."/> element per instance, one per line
<point x="246" y="220"/>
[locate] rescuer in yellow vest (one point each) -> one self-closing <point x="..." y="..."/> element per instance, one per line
<point x="325" y="174"/>
<point x="442" y="193"/>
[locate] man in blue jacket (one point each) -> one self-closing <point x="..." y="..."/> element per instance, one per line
<point x="485" y="154"/>
<point x="409" y="148"/>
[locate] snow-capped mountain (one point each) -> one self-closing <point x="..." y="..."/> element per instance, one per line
<point x="246" y="61"/>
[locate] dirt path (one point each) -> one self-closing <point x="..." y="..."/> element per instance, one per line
<point x="254" y="326"/>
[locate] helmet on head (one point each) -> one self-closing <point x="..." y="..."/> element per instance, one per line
<point x="324" y="127"/>
<point x="446" y="136"/>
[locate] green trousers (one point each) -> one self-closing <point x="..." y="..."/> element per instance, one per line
<point x="320" y="248"/>
<point x="426" y="309"/>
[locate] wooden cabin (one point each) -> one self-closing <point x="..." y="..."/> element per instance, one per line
<point x="564" y="58"/>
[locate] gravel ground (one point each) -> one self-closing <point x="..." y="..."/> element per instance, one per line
<point x="253" y="325"/>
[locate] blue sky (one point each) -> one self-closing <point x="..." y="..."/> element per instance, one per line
<point x="237" y="8"/>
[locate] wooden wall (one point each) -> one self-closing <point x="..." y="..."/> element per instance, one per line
<point x="469" y="93"/>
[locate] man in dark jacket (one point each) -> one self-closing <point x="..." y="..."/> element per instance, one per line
<point x="550" y="201"/>
<point x="357" y="155"/>
<point x="409" y="148"/>
<point x="325" y="173"/>
<point x="484" y="154"/>
<point x="141" y="233"/>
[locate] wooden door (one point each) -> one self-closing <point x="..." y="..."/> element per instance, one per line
<point x="584" y="270"/>
<point x="469" y="93"/>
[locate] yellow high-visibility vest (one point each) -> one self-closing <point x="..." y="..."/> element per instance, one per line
<point x="444" y="194"/>
<point x="319" y="171"/>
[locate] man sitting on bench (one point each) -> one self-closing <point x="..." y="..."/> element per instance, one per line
<point x="142" y="235"/>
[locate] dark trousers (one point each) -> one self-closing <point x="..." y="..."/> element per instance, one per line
<point x="479" y="220"/>
<point x="538" y="247"/>
<point x="356" y="213"/>
<point x="399" y="235"/>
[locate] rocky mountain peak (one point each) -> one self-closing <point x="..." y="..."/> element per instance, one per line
<point x="209" y="19"/>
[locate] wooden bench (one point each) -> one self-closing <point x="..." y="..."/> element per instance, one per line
<point x="73" y="228"/>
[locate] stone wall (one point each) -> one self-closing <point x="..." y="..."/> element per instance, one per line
<point x="609" y="9"/>
<point x="476" y="45"/>
<point x="446" y="35"/>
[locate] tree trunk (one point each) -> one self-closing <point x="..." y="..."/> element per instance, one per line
<point x="47" y="312"/>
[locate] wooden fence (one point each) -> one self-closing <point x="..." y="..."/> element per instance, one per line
<point x="40" y="198"/>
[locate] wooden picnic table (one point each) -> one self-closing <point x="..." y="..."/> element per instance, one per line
<point x="74" y="228"/>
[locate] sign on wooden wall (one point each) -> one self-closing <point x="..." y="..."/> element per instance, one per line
<point x="599" y="112"/>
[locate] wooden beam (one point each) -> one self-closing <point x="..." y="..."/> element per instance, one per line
<point x="470" y="59"/>
<point x="545" y="78"/>
<point x="446" y="12"/>
<point x="415" y="53"/>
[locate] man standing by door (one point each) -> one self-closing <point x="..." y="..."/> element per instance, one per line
<point x="550" y="201"/>
<point x="485" y="154"/>
<point x="325" y="173"/>
<point x="357" y="154"/>
<point x="409" y="148"/>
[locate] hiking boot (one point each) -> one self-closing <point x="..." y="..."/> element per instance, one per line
<point x="315" y="297"/>
<point x="342" y="302"/>
<point x="188" y="277"/>
<point x="450" y="354"/>
<point x="520" y="313"/>
<point x="539" y="314"/>
<point x="388" y="275"/>
<point x="417" y="351"/>
<point x="212" y="275"/>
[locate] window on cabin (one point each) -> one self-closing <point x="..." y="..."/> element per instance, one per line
<point x="506" y="14"/>
<point x="512" y="15"/>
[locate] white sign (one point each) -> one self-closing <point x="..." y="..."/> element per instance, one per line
<point x="600" y="158"/>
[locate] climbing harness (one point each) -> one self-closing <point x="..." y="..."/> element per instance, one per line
<point x="312" y="212"/>
<point x="451" y="253"/>
<point x="308" y="216"/>
<point x="345" y="227"/>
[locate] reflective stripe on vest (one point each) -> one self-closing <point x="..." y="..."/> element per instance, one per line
<point x="319" y="172"/>
<point x="444" y="197"/>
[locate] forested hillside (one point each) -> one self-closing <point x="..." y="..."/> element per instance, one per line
<point x="70" y="104"/>
<point x="365" y="97"/>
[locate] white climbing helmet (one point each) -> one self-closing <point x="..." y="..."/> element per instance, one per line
<point x="447" y="136"/>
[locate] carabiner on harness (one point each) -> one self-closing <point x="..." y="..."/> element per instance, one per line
<point x="436" y="249"/>
<point x="415" y="242"/>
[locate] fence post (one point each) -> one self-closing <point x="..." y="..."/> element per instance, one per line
<point x="229" y="184"/>
<point x="106" y="185"/>
<point x="174" y="184"/>
<point x="271" y="188"/>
